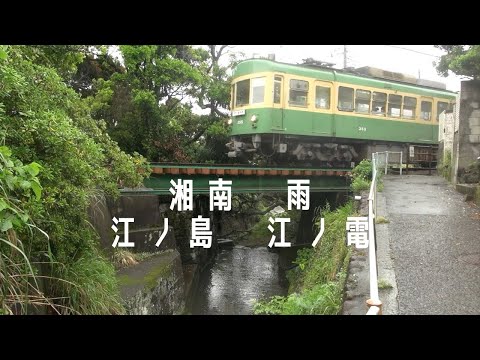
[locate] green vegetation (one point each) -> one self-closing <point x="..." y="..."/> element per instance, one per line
<point x="316" y="285"/>
<point x="45" y="123"/>
<point x="150" y="279"/>
<point x="20" y="191"/>
<point x="360" y="184"/>
<point x="381" y="220"/>
<point x="384" y="284"/>
<point x="362" y="177"/>
<point x="260" y="229"/>
<point x="85" y="122"/>
<point x="445" y="165"/>
<point x="460" y="59"/>
<point x="363" y="170"/>
<point x="123" y="258"/>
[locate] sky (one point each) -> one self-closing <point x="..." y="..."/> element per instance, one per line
<point x="415" y="60"/>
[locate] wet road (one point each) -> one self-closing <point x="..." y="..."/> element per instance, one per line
<point x="239" y="276"/>
<point x="435" y="240"/>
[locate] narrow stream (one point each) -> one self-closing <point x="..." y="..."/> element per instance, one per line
<point x="239" y="276"/>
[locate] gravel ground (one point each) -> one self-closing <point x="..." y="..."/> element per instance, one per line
<point x="435" y="246"/>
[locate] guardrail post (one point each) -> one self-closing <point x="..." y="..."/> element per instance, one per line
<point x="401" y="162"/>
<point x="377" y="303"/>
<point x="386" y="162"/>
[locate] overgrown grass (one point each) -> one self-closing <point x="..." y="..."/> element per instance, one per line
<point x="317" y="284"/>
<point x="445" y="165"/>
<point x="98" y="293"/>
<point x="260" y="229"/>
<point x="359" y="184"/>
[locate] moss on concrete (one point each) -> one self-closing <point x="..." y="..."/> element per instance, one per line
<point x="150" y="279"/>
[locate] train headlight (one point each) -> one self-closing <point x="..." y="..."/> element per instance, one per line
<point x="254" y="119"/>
<point x="230" y="121"/>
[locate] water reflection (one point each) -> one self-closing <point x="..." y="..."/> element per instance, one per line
<point x="238" y="277"/>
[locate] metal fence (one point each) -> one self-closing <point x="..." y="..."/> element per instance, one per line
<point x="387" y="158"/>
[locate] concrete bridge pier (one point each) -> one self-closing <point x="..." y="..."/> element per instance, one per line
<point x="306" y="230"/>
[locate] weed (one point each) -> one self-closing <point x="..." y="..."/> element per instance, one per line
<point x="384" y="284"/>
<point x="381" y="220"/>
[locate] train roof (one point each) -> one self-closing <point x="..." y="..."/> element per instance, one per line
<point x="329" y="74"/>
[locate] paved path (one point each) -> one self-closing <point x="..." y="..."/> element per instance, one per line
<point x="435" y="246"/>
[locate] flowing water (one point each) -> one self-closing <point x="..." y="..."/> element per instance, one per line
<point x="238" y="277"/>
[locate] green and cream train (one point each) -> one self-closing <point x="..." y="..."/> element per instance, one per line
<point x="299" y="114"/>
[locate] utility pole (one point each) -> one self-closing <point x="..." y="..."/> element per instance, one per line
<point x="344" y="56"/>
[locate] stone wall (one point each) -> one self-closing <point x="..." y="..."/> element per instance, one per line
<point x="468" y="141"/>
<point x="163" y="283"/>
<point x="155" y="286"/>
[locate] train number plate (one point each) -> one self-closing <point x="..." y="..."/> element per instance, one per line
<point x="238" y="112"/>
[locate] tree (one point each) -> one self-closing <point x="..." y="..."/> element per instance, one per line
<point x="148" y="105"/>
<point x="44" y="121"/>
<point x="460" y="59"/>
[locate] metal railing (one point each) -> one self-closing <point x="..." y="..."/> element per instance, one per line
<point x="374" y="303"/>
<point x="385" y="158"/>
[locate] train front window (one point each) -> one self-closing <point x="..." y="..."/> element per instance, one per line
<point x="322" y="97"/>
<point x="345" y="99"/>
<point x="409" y="107"/>
<point x="426" y="110"/>
<point x="258" y="90"/>
<point x="394" y="105"/>
<point x="243" y="93"/>
<point x="362" y="101"/>
<point x="277" y="90"/>
<point x="379" y="103"/>
<point x="298" y="92"/>
<point x="441" y="107"/>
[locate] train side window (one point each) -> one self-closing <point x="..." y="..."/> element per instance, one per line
<point x="409" y="107"/>
<point x="258" y="90"/>
<point x="322" y="97"/>
<point x="298" y="92"/>
<point x="441" y="107"/>
<point x="394" y="105"/>
<point x="243" y="93"/>
<point x="362" y="101"/>
<point x="345" y="99"/>
<point x="277" y="90"/>
<point x="426" y="110"/>
<point x="379" y="103"/>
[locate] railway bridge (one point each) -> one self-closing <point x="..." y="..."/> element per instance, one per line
<point x="245" y="179"/>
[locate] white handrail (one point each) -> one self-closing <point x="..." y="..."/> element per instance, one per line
<point x="374" y="303"/>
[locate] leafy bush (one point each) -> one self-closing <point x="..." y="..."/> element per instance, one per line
<point x="20" y="189"/>
<point x="44" y="121"/>
<point x="363" y="170"/>
<point x="360" y="184"/>
<point x="319" y="282"/>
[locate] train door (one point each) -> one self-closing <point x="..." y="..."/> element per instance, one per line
<point x="427" y="117"/>
<point x="322" y="122"/>
<point x="278" y="102"/>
